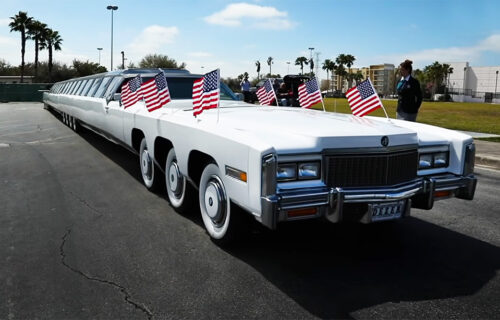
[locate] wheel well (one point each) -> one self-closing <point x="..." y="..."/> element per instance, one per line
<point x="137" y="137"/>
<point x="162" y="147"/>
<point x="196" y="163"/>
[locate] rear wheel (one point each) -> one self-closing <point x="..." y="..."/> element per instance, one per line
<point x="149" y="171"/>
<point x="180" y="192"/>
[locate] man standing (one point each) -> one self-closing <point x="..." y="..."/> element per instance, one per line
<point x="245" y="89"/>
<point x="409" y="93"/>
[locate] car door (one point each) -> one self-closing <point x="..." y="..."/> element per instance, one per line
<point x="113" y="117"/>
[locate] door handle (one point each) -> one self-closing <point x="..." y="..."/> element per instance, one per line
<point x="106" y="108"/>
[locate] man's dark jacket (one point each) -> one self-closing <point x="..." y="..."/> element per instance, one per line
<point x="409" y="95"/>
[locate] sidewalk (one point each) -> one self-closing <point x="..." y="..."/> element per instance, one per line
<point x="488" y="153"/>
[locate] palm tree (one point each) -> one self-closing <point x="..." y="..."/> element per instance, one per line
<point x="341" y="73"/>
<point x="36" y="31"/>
<point x="358" y="76"/>
<point x="257" y="64"/>
<point x="21" y="22"/>
<point x="300" y="61"/>
<point x="52" y="41"/>
<point x="329" y="65"/>
<point x="270" y="62"/>
<point x="347" y="60"/>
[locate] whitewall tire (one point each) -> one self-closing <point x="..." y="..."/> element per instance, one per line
<point x="180" y="193"/>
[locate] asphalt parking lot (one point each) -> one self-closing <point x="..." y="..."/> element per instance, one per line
<point x="82" y="238"/>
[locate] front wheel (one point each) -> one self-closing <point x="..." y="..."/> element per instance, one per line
<point x="180" y="193"/>
<point x="149" y="170"/>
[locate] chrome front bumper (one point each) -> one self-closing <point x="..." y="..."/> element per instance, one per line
<point x="331" y="202"/>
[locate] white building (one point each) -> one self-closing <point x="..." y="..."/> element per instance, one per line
<point x="475" y="84"/>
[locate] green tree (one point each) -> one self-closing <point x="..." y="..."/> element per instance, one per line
<point x="300" y="61"/>
<point x="341" y="74"/>
<point x="346" y="60"/>
<point x="87" y="68"/>
<point x="160" y="61"/>
<point x="269" y="63"/>
<point x="329" y="66"/>
<point x="435" y="76"/>
<point x="357" y="77"/>
<point x="21" y="23"/>
<point x="36" y="32"/>
<point x="52" y="41"/>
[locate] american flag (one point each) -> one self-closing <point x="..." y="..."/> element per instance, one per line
<point x="309" y="93"/>
<point x="206" y="92"/>
<point x="363" y="98"/>
<point x="131" y="92"/>
<point x="266" y="94"/>
<point x="155" y="92"/>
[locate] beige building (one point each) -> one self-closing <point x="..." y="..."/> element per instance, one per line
<point x="381" y="75"/>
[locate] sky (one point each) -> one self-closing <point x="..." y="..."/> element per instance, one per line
<point x="232" y="35"/>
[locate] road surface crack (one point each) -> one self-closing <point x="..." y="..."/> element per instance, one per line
<point x="86" y="204"/>
<point x="122" y="289"/>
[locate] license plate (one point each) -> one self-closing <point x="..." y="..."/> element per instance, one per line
<point x="387" y="210"/>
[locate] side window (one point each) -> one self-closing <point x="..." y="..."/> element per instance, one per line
<point x="80" y="89"/>
<point x="94" y="87"/>
<point x="73" y="84"/>
<point x="87" y="87"/>
<point x="68" y="87"/>
<point x="75" y="88"/>
<point x="100" y="91"/>
<point x="113" y="86"/>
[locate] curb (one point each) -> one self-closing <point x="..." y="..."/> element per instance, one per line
<point x="488" y="161"/>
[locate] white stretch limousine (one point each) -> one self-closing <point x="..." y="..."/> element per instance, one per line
<point x="274" y="163"/>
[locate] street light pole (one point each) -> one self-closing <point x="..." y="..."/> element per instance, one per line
<point x="463" y="87"/>
<point x="123" y="60"/>
<point x="99" y="49"/>
<point x="311" y="56"/>
<point x="496" y="82"/>
<point x="112" y="8"/>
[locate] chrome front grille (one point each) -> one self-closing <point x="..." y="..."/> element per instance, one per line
<point x="371" y="169"/>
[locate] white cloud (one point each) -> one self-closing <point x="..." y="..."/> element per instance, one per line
<point x="4" y="22"/>
<point x="255" y="16"/>
<point x="450" y="54"/>
<point x="200" y="54"/>
<point x="152" y="39"/>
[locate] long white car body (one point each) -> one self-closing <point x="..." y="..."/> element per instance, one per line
<point x="275" y="163"/>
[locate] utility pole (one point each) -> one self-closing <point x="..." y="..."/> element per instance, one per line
<point x="311" y="56"/>
<point x="99" y="49"/>
<point x="123" y="60"/>
<point x="112" y="8"/>
<point x="317" y="63"/>
<point x="496" y="82"/>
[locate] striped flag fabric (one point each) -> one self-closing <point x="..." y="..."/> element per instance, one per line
<point x="206" y="91"/>
<point x="131" y="92"/>
<point x="266" y="94"/>
<point x="363" y="98"/>
<point x="309" y="93"/>
<point x="155" y="92"/>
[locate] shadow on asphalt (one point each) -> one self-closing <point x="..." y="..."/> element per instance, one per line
<point x="334" y="270"/>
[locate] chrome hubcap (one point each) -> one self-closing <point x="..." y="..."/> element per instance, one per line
<point x="215" y="201"/>
<point x="146" y="164"/>
<point x="175" y="179"/>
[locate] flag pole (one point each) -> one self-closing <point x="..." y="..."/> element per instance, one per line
<point x="324" y="110"/>
<point x="218" y="98"/>
<point x="274" y="92"/>
<point x="381" y="104"/>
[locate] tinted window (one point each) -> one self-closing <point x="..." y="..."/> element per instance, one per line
<point x="100" y="91"/>
<point x="80" y="89"/>
<point x="87" y="87"/>
<point x="75" y="88"/>
<point x="94" y="87"/>
<point x="113" y="85"/>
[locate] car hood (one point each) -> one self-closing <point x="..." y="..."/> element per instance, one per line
<point x="289" y="130"/>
